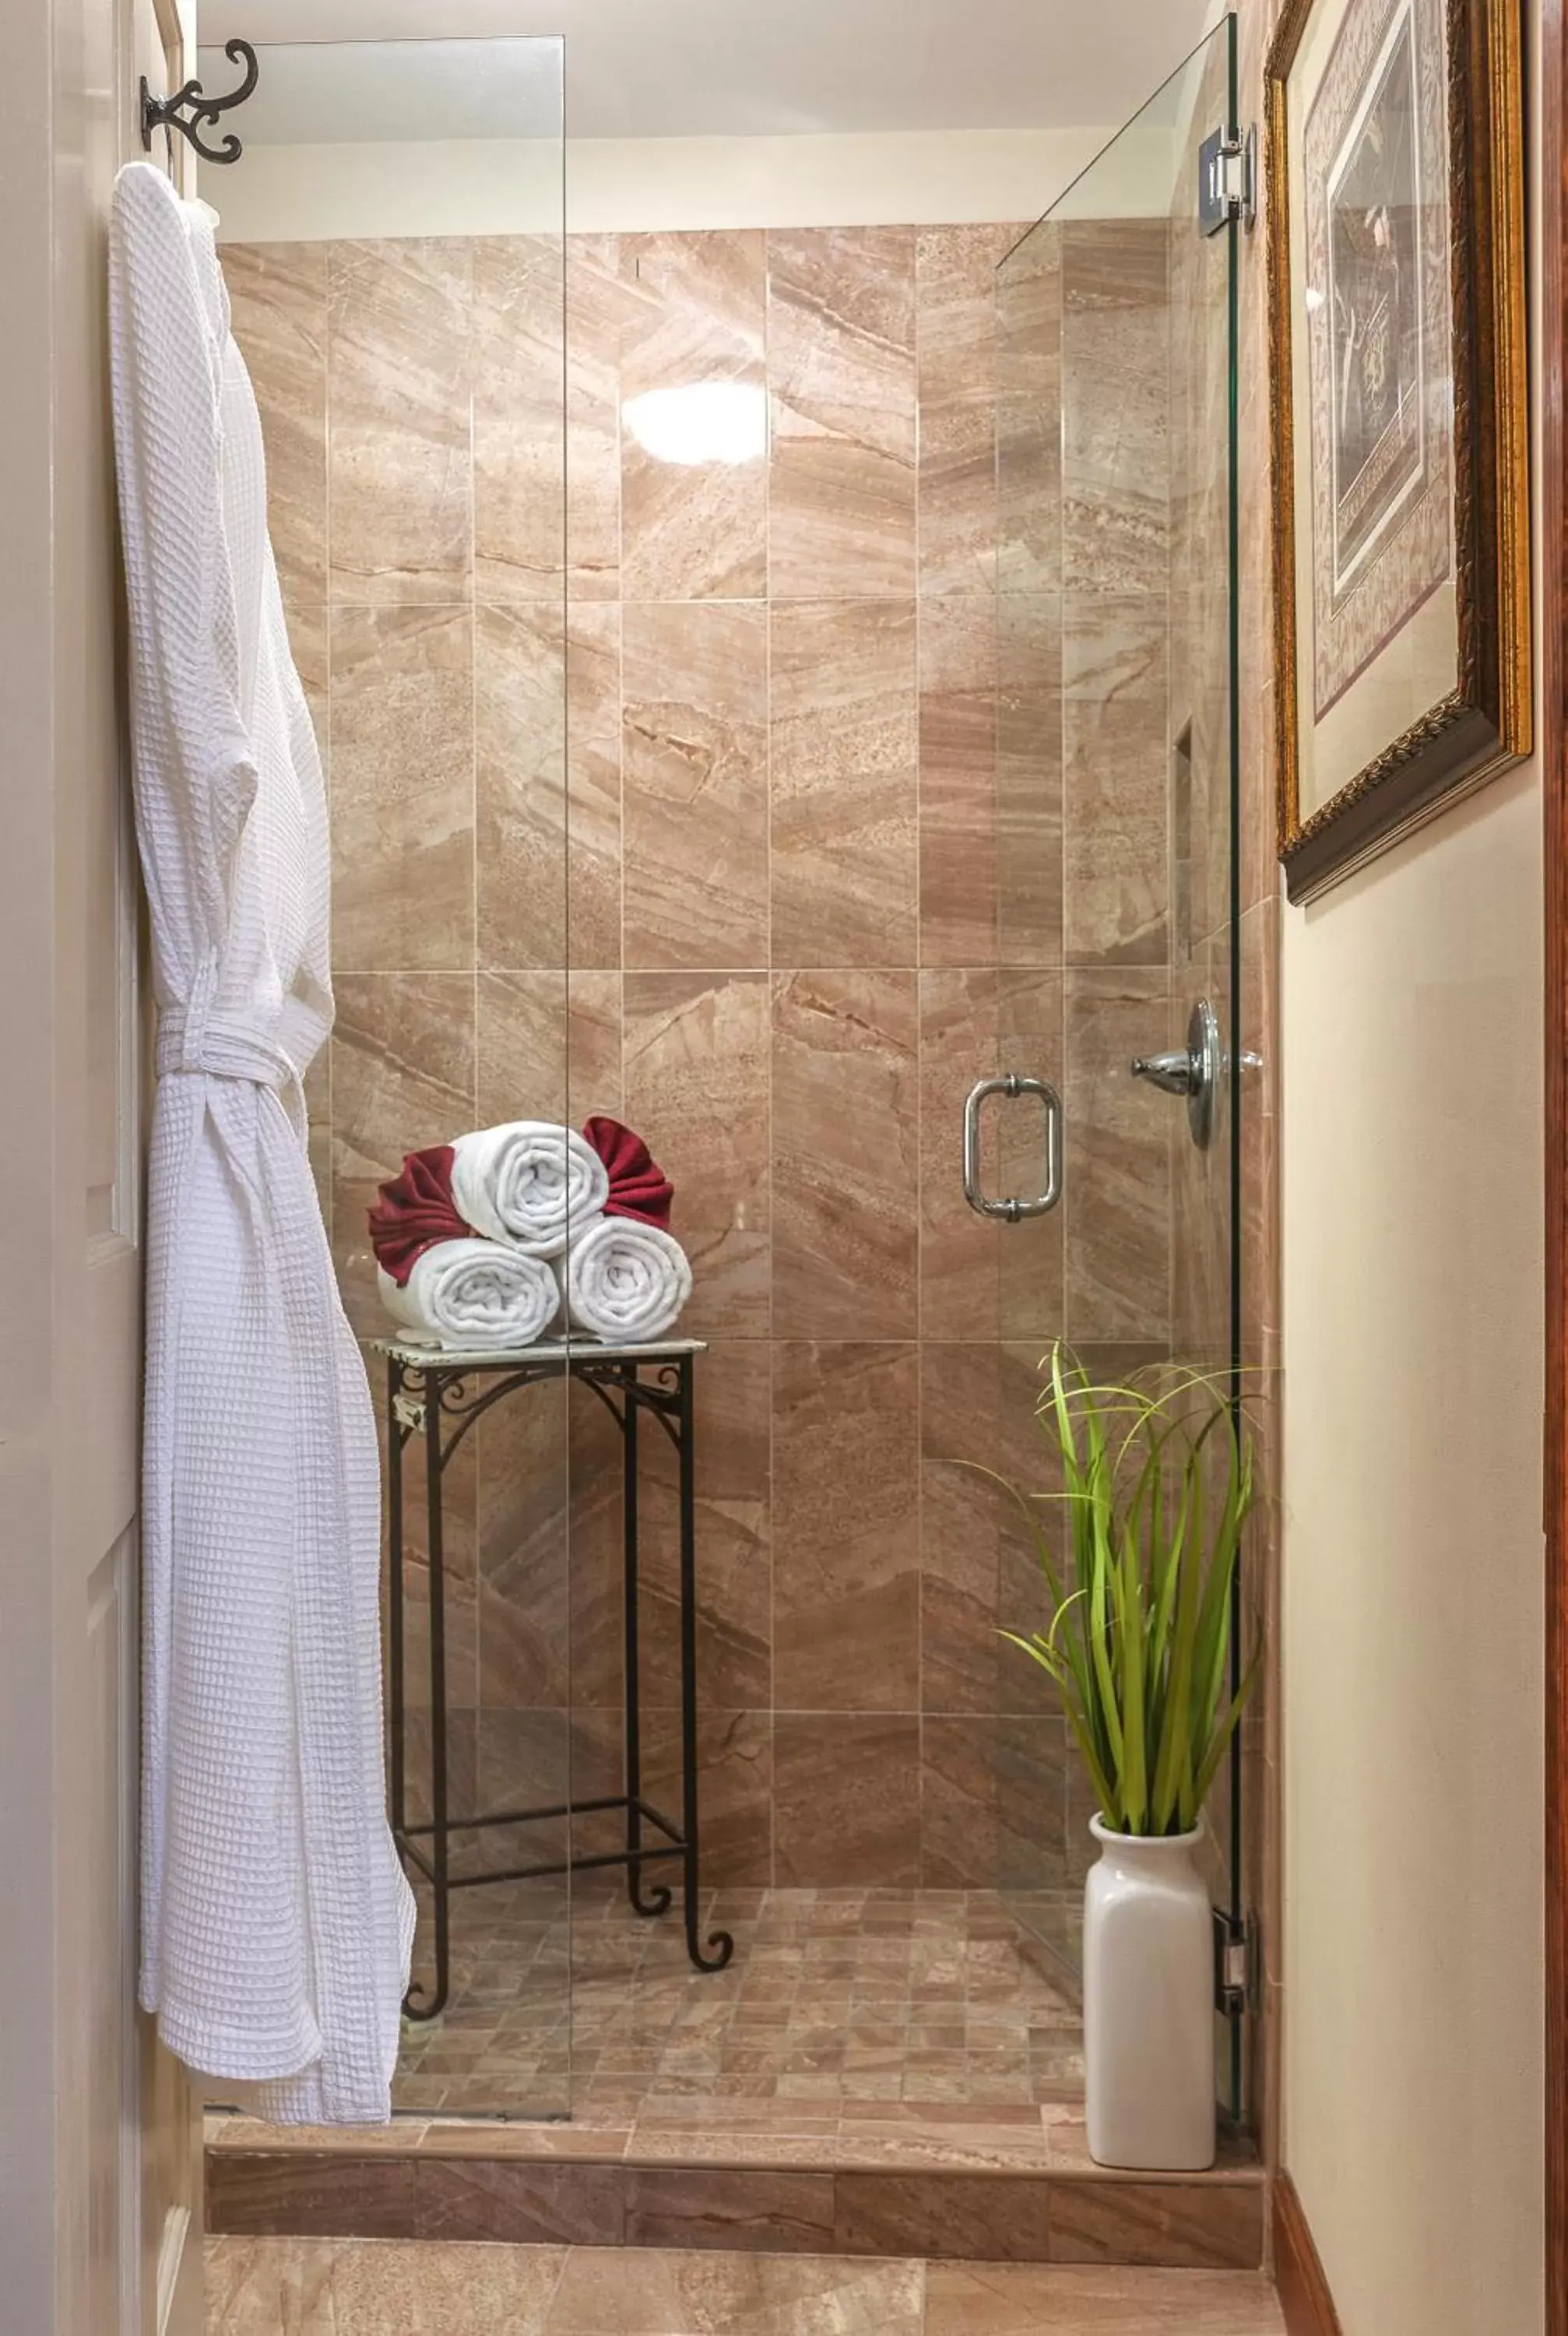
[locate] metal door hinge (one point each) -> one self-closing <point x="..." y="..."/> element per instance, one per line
<point x="1227" y="179"/>
<point x="1235" y="1962"/>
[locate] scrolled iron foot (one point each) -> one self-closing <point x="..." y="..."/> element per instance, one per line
<point x="659" y="1904"/>
<point x="720" y="1940"/>
<point x="419" y="2013"/>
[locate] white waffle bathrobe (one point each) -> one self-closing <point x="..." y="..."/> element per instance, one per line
<point x="276" y="1922"/>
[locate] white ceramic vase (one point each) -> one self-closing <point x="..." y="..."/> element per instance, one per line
<point x="1148" y="2005"/>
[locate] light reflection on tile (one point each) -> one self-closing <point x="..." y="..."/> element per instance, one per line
<point x="693" y="314"/>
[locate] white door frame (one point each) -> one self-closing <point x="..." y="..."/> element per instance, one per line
<point x="98" y="2138"/>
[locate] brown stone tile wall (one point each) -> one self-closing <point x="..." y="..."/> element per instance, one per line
<point x="849" y="826"/>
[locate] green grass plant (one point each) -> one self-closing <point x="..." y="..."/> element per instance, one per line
<point x="1157" y="1484"/>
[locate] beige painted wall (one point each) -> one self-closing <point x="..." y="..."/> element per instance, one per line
<point x="1412" y="1581"/>
<point x="311" y="193"/>
<point x="1413" y="1723"/>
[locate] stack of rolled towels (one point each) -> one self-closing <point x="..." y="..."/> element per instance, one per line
<point x="490" y="1241"/>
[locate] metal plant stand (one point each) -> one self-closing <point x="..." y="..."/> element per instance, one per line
<point x="439" y="1394"/>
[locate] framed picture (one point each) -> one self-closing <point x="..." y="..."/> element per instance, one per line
<point x="1399" y="417"/>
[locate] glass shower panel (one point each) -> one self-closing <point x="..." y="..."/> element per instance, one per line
<point x="393" y="239"/>
<point x="1116" y="794"/>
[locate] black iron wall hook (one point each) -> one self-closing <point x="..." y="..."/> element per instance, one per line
<point x="167" y="112"/>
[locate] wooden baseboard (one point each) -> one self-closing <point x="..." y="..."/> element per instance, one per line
<point x="1304" y="2297"/>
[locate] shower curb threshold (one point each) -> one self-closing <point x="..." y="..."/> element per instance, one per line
<point x="561" y="2184"/>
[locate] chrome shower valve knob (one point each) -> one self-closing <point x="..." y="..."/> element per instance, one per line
<point x="1196" y="1071"/>
<point x="1171" y="1071"/>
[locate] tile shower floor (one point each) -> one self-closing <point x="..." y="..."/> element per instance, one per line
<point x="852" y="2026"/>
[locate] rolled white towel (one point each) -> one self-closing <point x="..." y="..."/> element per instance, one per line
<point x="528" y="1184"/>
<point x="475" y="1293"/>
<point x="625" y="1280"/>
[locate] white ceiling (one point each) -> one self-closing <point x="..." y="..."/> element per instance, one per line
<point x="694" y="68"/>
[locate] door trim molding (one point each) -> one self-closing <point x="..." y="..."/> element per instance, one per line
<point x="1299" y="2275"/>
<point x="1553" y="557"/>
<point x="1554" y="235"/>
<point x="170" y="2260"/>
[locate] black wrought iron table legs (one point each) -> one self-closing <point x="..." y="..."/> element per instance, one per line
<point x="440" y="1396"/>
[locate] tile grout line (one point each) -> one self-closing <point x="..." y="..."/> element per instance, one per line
<point x="551" y="2300"/>
<point x="917" y="340"/>
<point x="769" y="1105"/>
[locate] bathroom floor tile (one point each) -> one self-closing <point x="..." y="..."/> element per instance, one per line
<point x="377" y="2287"/>
<point x="1030" y="2300"/>
<point x="703" y="2293"/>
<point x="358" y="2287"/>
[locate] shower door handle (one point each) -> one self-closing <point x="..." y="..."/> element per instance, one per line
<point x="1012" y="1084"/>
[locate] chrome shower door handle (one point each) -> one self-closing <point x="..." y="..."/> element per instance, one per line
<point x="1012" y="1084"/>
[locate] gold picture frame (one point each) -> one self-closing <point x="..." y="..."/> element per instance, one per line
<point x="1400" y="490"/>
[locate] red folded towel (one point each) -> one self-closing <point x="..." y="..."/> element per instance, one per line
<point x="639" y="1187"/>
<point x="416" y="1211"/>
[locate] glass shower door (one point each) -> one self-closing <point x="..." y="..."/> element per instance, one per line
<point x="1116" y="823"/>
<point x="393" y="239"/>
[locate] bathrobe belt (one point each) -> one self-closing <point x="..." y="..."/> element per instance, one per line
<point x="221" y="1047"/>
